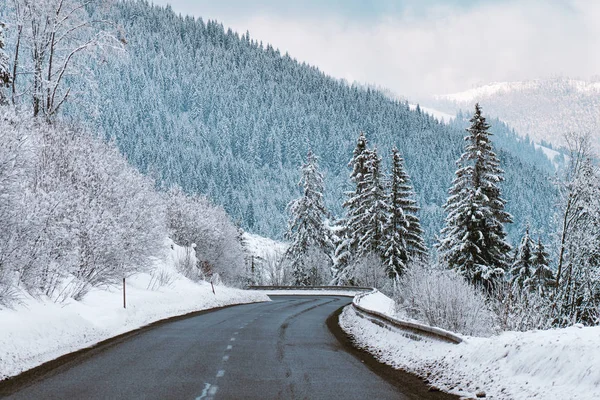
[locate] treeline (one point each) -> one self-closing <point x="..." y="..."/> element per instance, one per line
<point x="380" y="242"/>
<point x="75" y="215"/>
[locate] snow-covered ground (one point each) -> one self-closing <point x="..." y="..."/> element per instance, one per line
<point x="439" y="115"/>
<point x="263" y="247"/>
<point x="38" y="331"/>
<point x="553" y="364"/>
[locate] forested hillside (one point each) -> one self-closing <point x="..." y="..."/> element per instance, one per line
<point x="217" y="113"/>
<point x="543" y="109"/>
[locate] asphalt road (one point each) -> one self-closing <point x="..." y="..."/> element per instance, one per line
<point x="283" y="349"/>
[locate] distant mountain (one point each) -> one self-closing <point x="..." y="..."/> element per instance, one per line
<point x="218" y="113"/>
<point x="541" y="109"/>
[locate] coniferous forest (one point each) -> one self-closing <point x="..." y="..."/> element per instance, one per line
<point x="222" y="115"/>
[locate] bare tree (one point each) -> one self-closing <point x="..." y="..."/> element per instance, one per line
<point x="571" y="193"/>
<point x="577" y="294"/>
<point x="55" y="32"/>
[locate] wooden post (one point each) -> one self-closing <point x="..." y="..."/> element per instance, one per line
<point x="124" y="297"/>
<point x="213" y="287"/>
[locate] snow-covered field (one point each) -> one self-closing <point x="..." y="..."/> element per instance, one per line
<point x="553" y="364"/>
<point x="38" y="331"/>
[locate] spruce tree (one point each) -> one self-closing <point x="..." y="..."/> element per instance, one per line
<point x="371" y="219"/>
<point x="403" y="236"/>
<point x="522" y="269"/>
<point x="543" y="277"/>
<point x="473" y="239"/>
<point x="354" y="205"/>
<point x="307" y="229"/>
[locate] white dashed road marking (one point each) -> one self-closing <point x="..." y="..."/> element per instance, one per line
<point x="220" y="373"/>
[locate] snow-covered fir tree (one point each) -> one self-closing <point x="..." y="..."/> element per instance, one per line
<point x="473" y="239"/>
<point x="307" y="230"/>
<point x="403" y="236"/>
<point x="543" y="277"/>
<point x="5" y="75"/>
<point x="371" y="219"/>
<point x="521" y="272"/>
<point x="352" y="224"/>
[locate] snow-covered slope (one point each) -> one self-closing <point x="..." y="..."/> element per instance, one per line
<point x="37" y="331"/>
<point x="439" y="115"/>
<point x="263" y="247"/>
<point x="554" y="364"/>
<point x="542" y="109"/>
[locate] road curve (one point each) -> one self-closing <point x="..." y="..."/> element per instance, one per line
<point x="277" y="350"/>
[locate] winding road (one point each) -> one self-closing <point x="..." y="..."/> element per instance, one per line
<point x="290" y="348"/>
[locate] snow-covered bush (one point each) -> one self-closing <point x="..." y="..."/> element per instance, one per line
<point x="521" y="310"/>
<point x="195" y="220"/>
<point x="275" y="270"/>
<point x="444" y="299"/>
<point x="369" y="271"/>
<point x="74" y="214"/>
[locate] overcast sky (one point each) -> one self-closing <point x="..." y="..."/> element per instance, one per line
<point x="422" y="47"/>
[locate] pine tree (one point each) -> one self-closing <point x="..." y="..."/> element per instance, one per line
<point x="351" y="224"/>
<point x="307" y="229"/>
<point x="403" y="236"/>
<point x="543" y="277"/>
<point x="522" y="269"/>
<point x="473" y="239"/>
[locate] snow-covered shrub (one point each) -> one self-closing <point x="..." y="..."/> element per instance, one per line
<point x="194" y="219"/>
<point x="369" y="271"/>
<point x="74" y="213"/>
<point x="275" y="270"/>
<point x="444" y="299"/>
<point x="521" y="310"/>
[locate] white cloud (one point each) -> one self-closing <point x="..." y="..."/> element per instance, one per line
<point x="443" y="50"/>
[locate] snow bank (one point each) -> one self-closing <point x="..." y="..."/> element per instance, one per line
<point x="378" y="302"/>
<point x="39" y="331"/>
<point x="554" y="364"/>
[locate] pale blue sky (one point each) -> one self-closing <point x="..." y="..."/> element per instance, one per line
<point x="422" y="47"/>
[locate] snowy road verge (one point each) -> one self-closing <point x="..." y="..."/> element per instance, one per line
<point x="554" y="364"/>
<point x="379" y="309"/>
<point x="36" y="332"/>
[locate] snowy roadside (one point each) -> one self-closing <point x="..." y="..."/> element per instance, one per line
<point x="553" y="364"/>
<point x="39" y="331"/>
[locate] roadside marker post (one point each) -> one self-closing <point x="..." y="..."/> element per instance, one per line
<point x="124" y="296"/>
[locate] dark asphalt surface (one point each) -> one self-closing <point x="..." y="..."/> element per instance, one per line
<point x="277" y="350"/>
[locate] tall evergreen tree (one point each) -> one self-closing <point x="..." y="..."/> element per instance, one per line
<point x="354" y="205"/>
<point x="473" y="239"/>
<point x="522" y="272"/>
<point x="307" y="229"/>
<point x="403" y="237"/>
<point x="372" y="217"/>
<point x="543" y="277"/>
